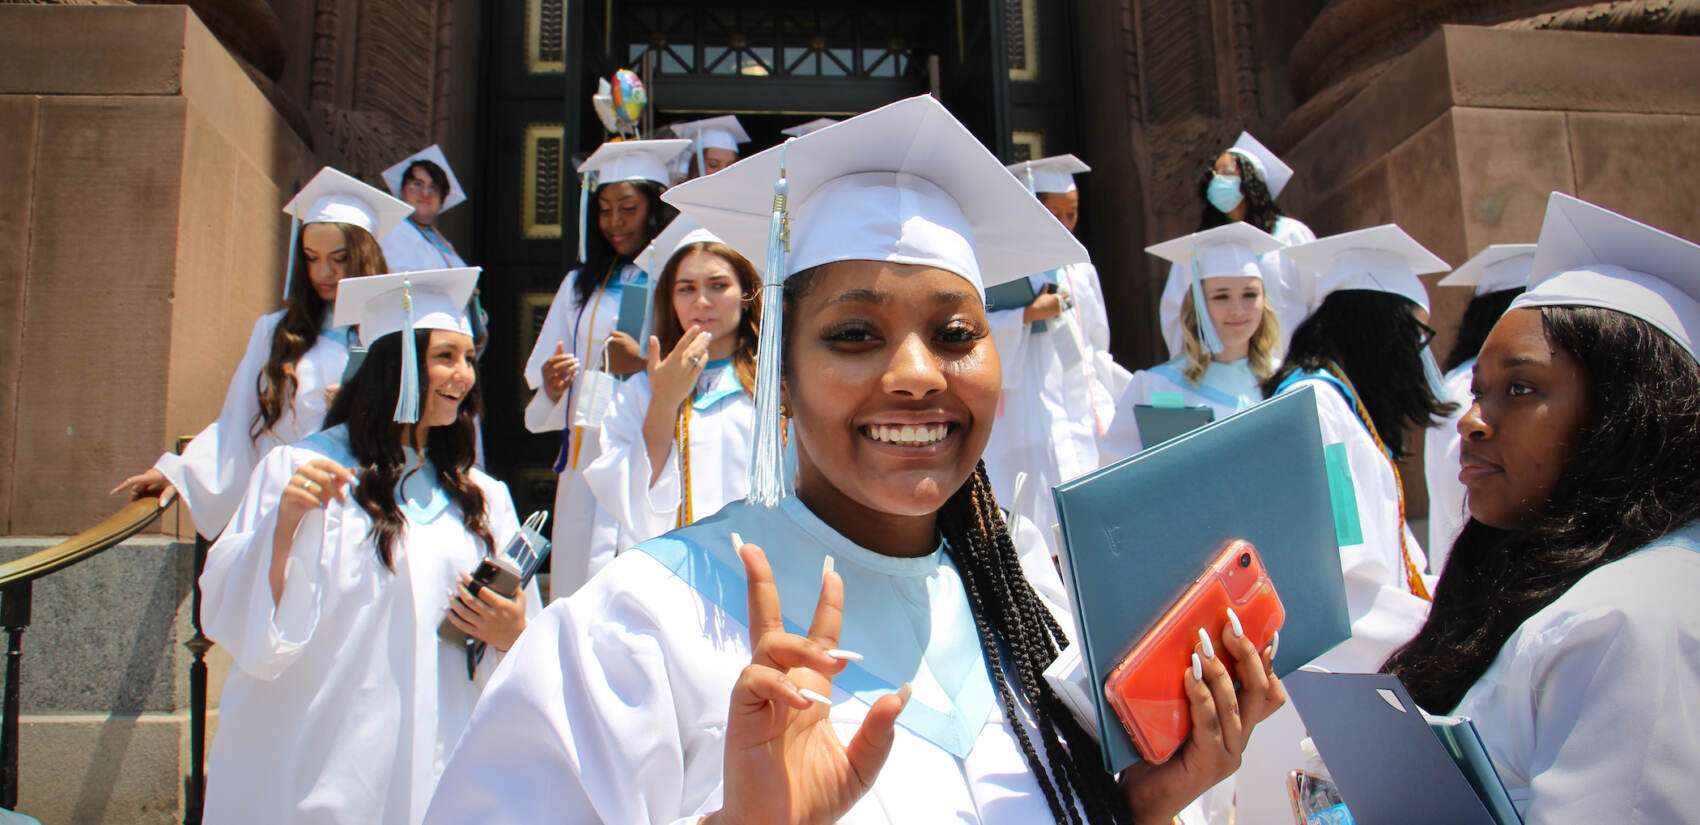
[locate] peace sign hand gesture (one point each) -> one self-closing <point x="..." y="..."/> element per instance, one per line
<point x="784" y="764"/>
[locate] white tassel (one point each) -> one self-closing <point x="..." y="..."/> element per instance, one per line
<point x="1032" y="187"/>
<point x="407" y="401"/>
<point x="767" y="462"/>
<point x="702" y="168"/>
<point x="294" y="245"/>
<point x="583" y="214"/>
<point x="1206" y="329"/>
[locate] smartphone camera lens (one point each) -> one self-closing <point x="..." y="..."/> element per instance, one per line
<point x="1245" y="559"/>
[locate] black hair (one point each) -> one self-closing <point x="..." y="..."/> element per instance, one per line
<point x="1260" y="208"/>
<point x="439" y="178"/>
<point x="600" y="257"/>
<point x="1479" y="318"/>
<point x="1375" y="338"/>
<point x="1634" y="476"/>
<point x="1017" y="634"/>
<point x="367" y="405"/>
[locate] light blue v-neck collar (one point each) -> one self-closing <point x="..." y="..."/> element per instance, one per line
<point x="725" y="383"/>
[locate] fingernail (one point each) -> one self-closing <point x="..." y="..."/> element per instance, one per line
<point x="1234" y="622"/>
<point x="825" y="566"/>
<point x="1197" y="669"/>
<point x="904" y="692"/>
<point x="1274" y="645"/>
<point x="1204" y="639"/>
<point x="737" y="543"/>
<point x="844" y="655"/>
<point x="814" y="697"/>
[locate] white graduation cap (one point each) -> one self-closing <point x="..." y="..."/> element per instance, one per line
<point x="1594" y="257"/>
<point x="1054" y="174"/>
<point x="387" y="304"/>
<point x="1227" y="251"/>
<point x="723" y="132"/>
<point x="333" y="196"/>
<point x="1496" y="268"/>
<point x="623" y="160"/>
<point x="434" y="154"/>
<point x="1380" y="259"/>
<point x="1268" y="165"/>
<point x="682" y="232"/>
<point x="905" y="183"/>
<point x="812" y="126"/>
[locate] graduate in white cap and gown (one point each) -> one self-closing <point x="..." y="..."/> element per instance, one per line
<point x="1059" y="381"/>
<point x="1241" y="185"/>
<point x="295" y="356"/>
<point x="636" y="700"/>
<point x="1496" y="275"/>
<point x="1564" y="625"/>
<point x="714" y="144"/>
<point x="621" y="185"/>
<point x="676" y="445"/>
<point x="349" y="549"/>
<point x="1233" y="337"/>
<point x="426" y="182"/>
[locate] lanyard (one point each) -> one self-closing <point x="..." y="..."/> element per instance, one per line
<point x="1413" y="578"/>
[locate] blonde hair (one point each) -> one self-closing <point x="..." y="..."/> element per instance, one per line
<point x="1260" y="356"/>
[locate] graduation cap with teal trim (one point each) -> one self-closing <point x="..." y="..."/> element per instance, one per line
<point x="333" y="196"/>
<point x="387" y="304"/>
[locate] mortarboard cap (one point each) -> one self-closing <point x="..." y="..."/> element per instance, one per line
<point x="1227" y="251"/>
<point x="812" y="126"/>
<point x="1592" y="256"/>
<point x="1381" y="259"/>
<point x="387" y="304"/>
<point x="723" y="132"/>
<point x="1270" y="167"/>
<point x="434" y="154"/>
<point x="682" y="232"/>
<point x="333" y="196"/>
<point x="905" y="183"/>
<point x="1054" y="174"/>
<point x="1498" y="267"/>
<point x="623" y="160"/>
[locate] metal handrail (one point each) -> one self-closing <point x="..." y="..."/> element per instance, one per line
<point x="130" y="520"/>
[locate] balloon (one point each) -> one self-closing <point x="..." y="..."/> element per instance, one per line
<point x="629" y="97"/>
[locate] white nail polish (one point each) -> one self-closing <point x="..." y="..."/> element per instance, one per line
<point x="826" y="566"/>
<point x="1204" y="639"/>
<point x="814" y="697"/>
<point x="904" y="692"/>
<point x="1234" y="621"/>
<point x="844" y="655"/>
<point x="737" y="543"/>
<point x="1197" y="668"/>
<point x="1274" y="645"/>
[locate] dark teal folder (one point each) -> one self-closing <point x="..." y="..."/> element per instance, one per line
<point x="1392" y="766"/>
<point x="1160" y="424"/>
<point x="1137" y="533"/>
<point x="1016" y="294"/>
<point x="634" y="306"/>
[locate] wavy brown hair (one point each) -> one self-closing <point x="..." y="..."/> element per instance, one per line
<point x="668" y="329"/>
<point x="1265" y="343"/>
<point x="298" y="329"/>
<point x="367" y="406"/>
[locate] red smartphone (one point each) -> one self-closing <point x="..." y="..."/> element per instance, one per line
<point x="1148" y="689"/>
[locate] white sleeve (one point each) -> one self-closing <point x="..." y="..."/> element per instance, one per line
<point x="543" y="415"/>
<point x="1121" y="439"/>
<point x="1010" y="335"/>
<point x="212" y="472"/>
<point x="581" y="725"/>
<point x="619" y="477"/>
<point x="1169" y="308"/>
<point x="236" y="596"/>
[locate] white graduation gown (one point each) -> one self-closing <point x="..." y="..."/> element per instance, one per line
<point x="1288" y="289"/>
<point x="1447" y="512"/>
<point x="212" y="473"/>
<point x="721" y="435"/>
<point x="343" y="704"/>
<point x="1059" y="391"/>
<point x="613" y="706"/>
<point x="1591" y="711"/>
<point x="583" y="537"/>
<point x="408" y="249"/>
<point x="1225" y="388"/>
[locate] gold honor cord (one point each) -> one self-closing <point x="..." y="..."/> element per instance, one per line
<point x="682" y="437"/>
<point x="1413" y="578"/>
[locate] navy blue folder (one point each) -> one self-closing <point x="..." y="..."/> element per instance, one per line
<point x="1137" y="533"/>
<point x="1391" y="766"/>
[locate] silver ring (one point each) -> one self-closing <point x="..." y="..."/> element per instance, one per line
<point x="307" y="484"/>
<point x="694" y="360"/>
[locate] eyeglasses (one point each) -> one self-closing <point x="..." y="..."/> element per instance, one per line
<point x="417" y="185"/>
<point x="1427" y="334"/>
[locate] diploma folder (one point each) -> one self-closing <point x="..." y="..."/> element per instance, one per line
<point x="634" y="313"/>
<point x="1137" y="533"/>
<point x="1016" y="294"/>
<point x="1160" y="424"/>
<point x="1393" y="765"/>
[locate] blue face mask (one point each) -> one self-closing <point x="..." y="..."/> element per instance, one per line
<point x="1224" y="193"/>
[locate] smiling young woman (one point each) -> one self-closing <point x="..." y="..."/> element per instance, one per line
<point x="349" y="549"/>
<point x="295" y="357"/>
<point x="1564" y="623"/>
<point x="675" y="687"/>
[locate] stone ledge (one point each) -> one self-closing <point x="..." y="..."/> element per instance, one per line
<point x="140" y="49"/>
<point x="103" y="769"/>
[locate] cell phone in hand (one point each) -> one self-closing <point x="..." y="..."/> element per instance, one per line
<point x="499" y="573"/>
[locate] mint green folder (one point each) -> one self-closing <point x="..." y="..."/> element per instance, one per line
<point x="1137" y="533"/>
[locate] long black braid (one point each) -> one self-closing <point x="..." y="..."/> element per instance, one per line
<point x="1012" y="620"/>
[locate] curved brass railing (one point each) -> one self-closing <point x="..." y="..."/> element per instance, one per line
<point x="132" y="519"/>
